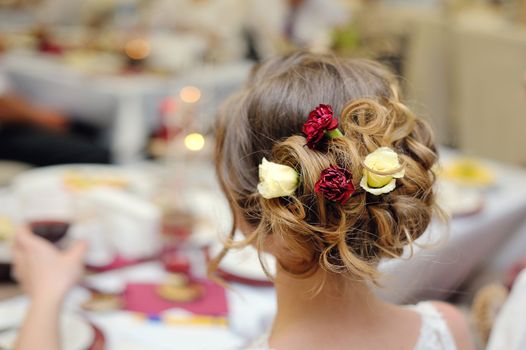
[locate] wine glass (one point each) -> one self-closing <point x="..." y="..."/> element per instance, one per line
<point x="49" y="212"/>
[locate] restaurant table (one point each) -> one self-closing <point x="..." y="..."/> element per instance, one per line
<point x="127" y="104"/>
<point x="250" y="311"/>
<point x="495" y="236"/>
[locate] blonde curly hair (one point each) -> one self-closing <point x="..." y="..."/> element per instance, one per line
<point x="265" y="119"/>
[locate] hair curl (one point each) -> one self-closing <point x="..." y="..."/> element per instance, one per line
<point x="265" y="120"/>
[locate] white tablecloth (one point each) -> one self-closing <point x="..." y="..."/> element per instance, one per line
<point x="495" y="235"/>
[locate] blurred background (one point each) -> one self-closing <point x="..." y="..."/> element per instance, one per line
<point x="461" y="63"/>
<point x="107" y="112"/>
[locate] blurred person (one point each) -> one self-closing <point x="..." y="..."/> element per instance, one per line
<point x="41" y="137"/>
<point x="328" y="197"/>
<point x="279" y="25"/>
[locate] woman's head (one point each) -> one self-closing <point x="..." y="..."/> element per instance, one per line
<point x="306" y="231"/>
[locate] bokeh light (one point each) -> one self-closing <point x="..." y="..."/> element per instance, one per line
<point x="137" y="49"/>
<point x="190" y="94"/>
<point x="194" y="142"/>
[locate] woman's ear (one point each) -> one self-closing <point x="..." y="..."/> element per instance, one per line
<point x="247" y="229"/>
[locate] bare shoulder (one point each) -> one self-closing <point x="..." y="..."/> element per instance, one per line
<point x="457" y="324"/>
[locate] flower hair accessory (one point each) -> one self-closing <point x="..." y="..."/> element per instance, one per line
<point x="381" y="169"/>
<point x="276" y="180"/>
<point x="320" y="123"/>
<point x="335" y="184"/>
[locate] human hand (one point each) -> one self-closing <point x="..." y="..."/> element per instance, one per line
<point x="44" y="271"/>
<point x="16" y="109"/>
<point x="49" y="119"/>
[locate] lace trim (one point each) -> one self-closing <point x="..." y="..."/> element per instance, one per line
<point x="434" y="332"/>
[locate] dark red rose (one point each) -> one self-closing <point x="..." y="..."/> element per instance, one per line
<point x="335" y="184"/>
<point x="320" y="120"/>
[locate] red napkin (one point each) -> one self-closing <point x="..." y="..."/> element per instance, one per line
<point x="143" y="298"/>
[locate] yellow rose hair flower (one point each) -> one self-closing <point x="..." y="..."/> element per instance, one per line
<point x="381" y="169"/>
<point x="276" y="180"/>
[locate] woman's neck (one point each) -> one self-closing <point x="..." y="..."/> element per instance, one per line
<point x="344" y="314"/>
<point x="339" y="302"/>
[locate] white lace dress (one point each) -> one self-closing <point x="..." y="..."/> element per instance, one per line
<point x="434" y="332"/>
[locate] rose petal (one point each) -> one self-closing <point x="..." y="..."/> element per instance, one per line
<point x="399" y="174"/>
<point x="377" y="191"/>
<point x="276" y="180"/>
<point x="335" y="184"/>
<point x="320" y="120"/>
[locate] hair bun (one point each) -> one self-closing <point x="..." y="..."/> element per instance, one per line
<point x="308" y="232"/>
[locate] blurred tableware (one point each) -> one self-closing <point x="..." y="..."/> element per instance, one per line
<point x="244" y="266"/>
<point x="99" y="341"/>
<point x="52" y="230"/>
<point x="5" y="260"/>
<point x="115" y="281"/>
<point x="9" y="216"/>
<point x="7" y="228"/>
<point x="184" y="293"/>
<point x="186" y="258"/>
<point x="458" y="200"/>
<point x="48" y="210"/>
<point x="103" y="302"/>
<point x="468" y="172"/>
<point x="177" y="225"/>
<point x="90" y="227"/>
<point x="175" y="53"/>
<point x="130" y="224"/>
<point x="75" y="178"/>
<point x="109" y="205"/>
<point x="176" y="261"/>
<point x="76" y="332"/>
<point x="94" y="62"/>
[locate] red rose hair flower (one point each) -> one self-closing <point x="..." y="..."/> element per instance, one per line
<point x="320" y="121"/>
<point x="335" y="184"/>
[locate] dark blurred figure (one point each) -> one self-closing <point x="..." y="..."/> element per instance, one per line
<point x="41" y="137"/>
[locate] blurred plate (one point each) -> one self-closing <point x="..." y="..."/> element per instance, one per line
<point x="76" y="332"/>
<point x="78" y="177"/>
<point x="468" y="173"/>
<point x="8" y="221"/>
<point x="243" y="266"/>
<point x="99" y="341"/>
<point x="459" y="201"/>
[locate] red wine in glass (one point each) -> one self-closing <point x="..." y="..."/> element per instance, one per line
<point x="52" y="230"/>
<point x="176" y="261"/>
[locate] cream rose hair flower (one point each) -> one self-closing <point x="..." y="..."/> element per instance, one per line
<point x="381" y="169"/>
<point x="276" y="180"/>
